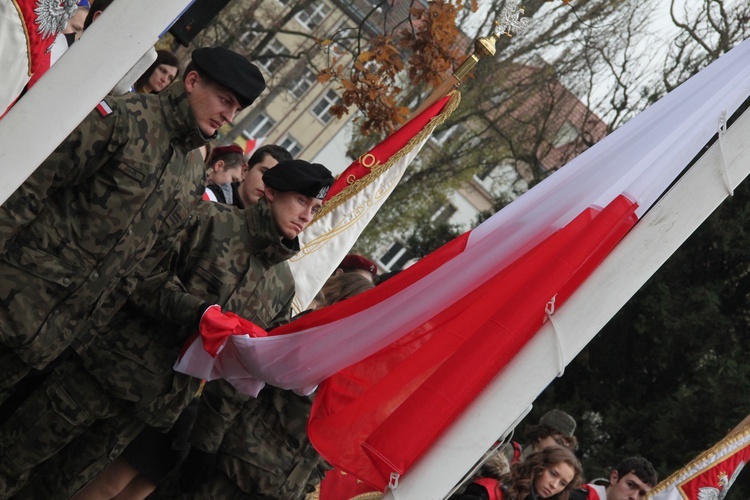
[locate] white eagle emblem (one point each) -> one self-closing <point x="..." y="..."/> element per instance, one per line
<point x="710" y="493"/>
<point x="53" y="15"/>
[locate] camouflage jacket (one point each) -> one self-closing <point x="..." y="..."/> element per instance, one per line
<point x="266" y="451"/>
<point x="81" y="226"/>
<point x="224" y="255"/>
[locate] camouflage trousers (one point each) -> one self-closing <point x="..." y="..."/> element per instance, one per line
<point x="225" y="488"/>
<point x="220" y="486"/>
<point x="64" y="406"/>
<point x="71" y="469"/>
<point x="91" y="446"/>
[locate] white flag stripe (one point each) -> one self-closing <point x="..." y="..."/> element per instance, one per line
<point x="326" y="242"/>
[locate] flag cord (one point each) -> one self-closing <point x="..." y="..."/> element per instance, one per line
<point x="722" y="130"/>
<point x="393" y="481"/>
<point x="549" y="310"/>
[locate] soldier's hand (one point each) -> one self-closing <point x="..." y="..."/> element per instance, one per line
<point x="216" y="326"/>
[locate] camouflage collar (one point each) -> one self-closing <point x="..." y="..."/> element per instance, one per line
<point x="268" y="244"/>
<point x="176" y="108"/>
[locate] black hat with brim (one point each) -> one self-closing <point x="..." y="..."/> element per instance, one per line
<point x="231" y="70"/>
<point x="310" y="179"/>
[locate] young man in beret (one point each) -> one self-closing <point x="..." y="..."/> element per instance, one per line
<point x="225" y="256"/>
<point x="97" y="216"/>
<point x="85" y="222"/>
<point x="257" y="447"/>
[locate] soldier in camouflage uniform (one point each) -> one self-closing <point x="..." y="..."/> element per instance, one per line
<point x="91" y="222"/>
<point x="76" y="235"/>
<point x="224" y="255"/>
<point x="264" y="453"/>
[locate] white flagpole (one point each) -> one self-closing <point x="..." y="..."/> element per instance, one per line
<point x="638" y="256"/>
<point x="72" y="87"/>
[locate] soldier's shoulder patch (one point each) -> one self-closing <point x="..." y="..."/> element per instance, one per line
<point x="103" y="109"/>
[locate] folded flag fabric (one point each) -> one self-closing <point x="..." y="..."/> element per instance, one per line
<point x="409" y="354"/>
<point x="216" y="326"/>
<point x="442" y="365"/>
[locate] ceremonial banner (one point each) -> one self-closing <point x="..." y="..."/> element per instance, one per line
<point x="425" y="342"/>
<point x="27" y="30"/>
<point x="356" y="196"/>
<point x="710" y="475"/>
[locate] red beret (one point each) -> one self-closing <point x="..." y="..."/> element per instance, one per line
<point x="353" y="261"/>
<point x="220" y="151"/>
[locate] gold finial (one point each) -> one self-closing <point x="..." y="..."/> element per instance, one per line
<point x="511" y="22"/>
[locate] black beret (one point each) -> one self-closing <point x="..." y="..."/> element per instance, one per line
<point x="310" y="179"/>
<point x="231" y="70"/>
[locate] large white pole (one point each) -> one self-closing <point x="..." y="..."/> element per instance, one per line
<point x="638" y="256"/>
<point x="58" y="102"/>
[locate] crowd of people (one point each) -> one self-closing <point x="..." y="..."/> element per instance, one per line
<point x="547" y="468"/>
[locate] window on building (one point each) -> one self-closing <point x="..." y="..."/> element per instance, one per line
<point x="273" y="62"/>
<point x="259" y="126"/>
<point x="313" y="15"/>
<point x="566" y="134"/>
<point x="444" y="133"/>
<point x="496" y="178"/>
<point x="322" y="108"/>
<point x="443" y="214"/>
<point x="291" y="145"/>
<point x="252" y="29"/>
<point x="485" y="172"/>
<point x="500" y="97"/>
<point x="344" y="36"/>
<point x="396" y="257"/>
<point x="301" y="85"/>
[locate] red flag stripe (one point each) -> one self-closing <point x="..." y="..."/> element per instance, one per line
<point x="446" y="361"/>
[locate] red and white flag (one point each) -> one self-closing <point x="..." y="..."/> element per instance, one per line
<point x="27" y="31"/>
<point x="398" y="363"/>
<point x="710" y="475"/>
<point x="252" y="144"/>
<point x="350" y="204"/>
<point x="356" y="196"/>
